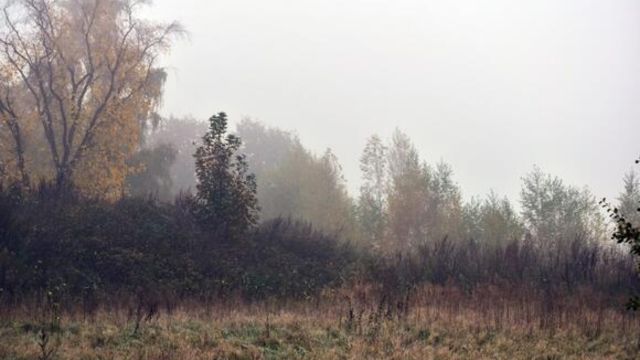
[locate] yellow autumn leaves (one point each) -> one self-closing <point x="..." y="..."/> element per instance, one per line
<point x="78" y="80"/>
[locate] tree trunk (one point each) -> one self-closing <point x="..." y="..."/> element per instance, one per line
<point x="63" y="180"/>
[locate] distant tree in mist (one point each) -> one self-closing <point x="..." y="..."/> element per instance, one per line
<point x="555" y="213"/>
<point x="416" y="203"/>
<point x="226" y="201"/>
<point x="627" y="232"/>
<point x="182" y="134"/>
<point x="331" y="203"/>
<point x="266" y="147"/>
<point x="270" y="153"/>
<point x="163" y="165"/>
<point x="444" y="207"/>
<point x="294" y="182"/>
<point x="629" y="199"/>
<point x="152" y="172"/>
<point x="407" y="194"/>
<point x="372" y="203"/>
<point x="492" y="221"/>
<point x="404" y="202"/>
<point x="311" y="188"/>
<point x="425" y="203"/>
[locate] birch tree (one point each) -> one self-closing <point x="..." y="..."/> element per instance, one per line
<point x="79" y="78"/>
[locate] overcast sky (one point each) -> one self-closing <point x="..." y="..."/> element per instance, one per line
<point x="492" y="87"/>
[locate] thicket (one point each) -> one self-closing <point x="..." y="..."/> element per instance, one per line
<point x="64" y="248"/>
<point x="60" y="244"/>
<point x="88" y="251"/>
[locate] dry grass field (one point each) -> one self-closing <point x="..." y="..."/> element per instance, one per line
<point x="441" y="323"/>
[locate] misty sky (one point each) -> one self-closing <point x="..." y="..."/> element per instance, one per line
<point x="492" y="87"/>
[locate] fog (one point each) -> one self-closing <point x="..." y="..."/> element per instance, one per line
<point x="319" y="179"/>
<point x="490" y="87"/>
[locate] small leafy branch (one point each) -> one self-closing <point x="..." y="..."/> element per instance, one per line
<point x="626" y="233"/>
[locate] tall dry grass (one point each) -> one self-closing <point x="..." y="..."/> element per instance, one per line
<point x="352" y="323"/>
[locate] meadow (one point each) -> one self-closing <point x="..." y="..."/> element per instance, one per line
<point x="439" y="323"/>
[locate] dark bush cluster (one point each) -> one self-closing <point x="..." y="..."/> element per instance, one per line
<point x="91" y="250"/>
<point x="521" y="265"/>
<point x="469" y="264"/>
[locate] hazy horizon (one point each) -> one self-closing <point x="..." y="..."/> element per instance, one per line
<point x="490" y="88"/>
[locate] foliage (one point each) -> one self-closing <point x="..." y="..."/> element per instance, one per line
<point x="407" y="194"/>
<point x="626" y="231"/>
<point x="556" y="213"/>
<point x="266" y="147"/>
<point x="144" y="252"/>
<point x="492" y="221"/>
<point x="182" y="134"/>
<point x="79" y="79"/>
<point x="629" y="199"/>
<point x="226" y="200"/>
<point x="95" y="248"/>
<point x="372" y="203"/>
<point x="292" y="259"/>
<point x="293" y="182"/>
<point x="153" y="252"/>
<point x="210" y="245"/>
<point x="153" y="172"/>
<point x="409" y="201"/>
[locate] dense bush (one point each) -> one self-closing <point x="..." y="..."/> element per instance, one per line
<point x="290" y="258"/>
<point x="91" y="249"/>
